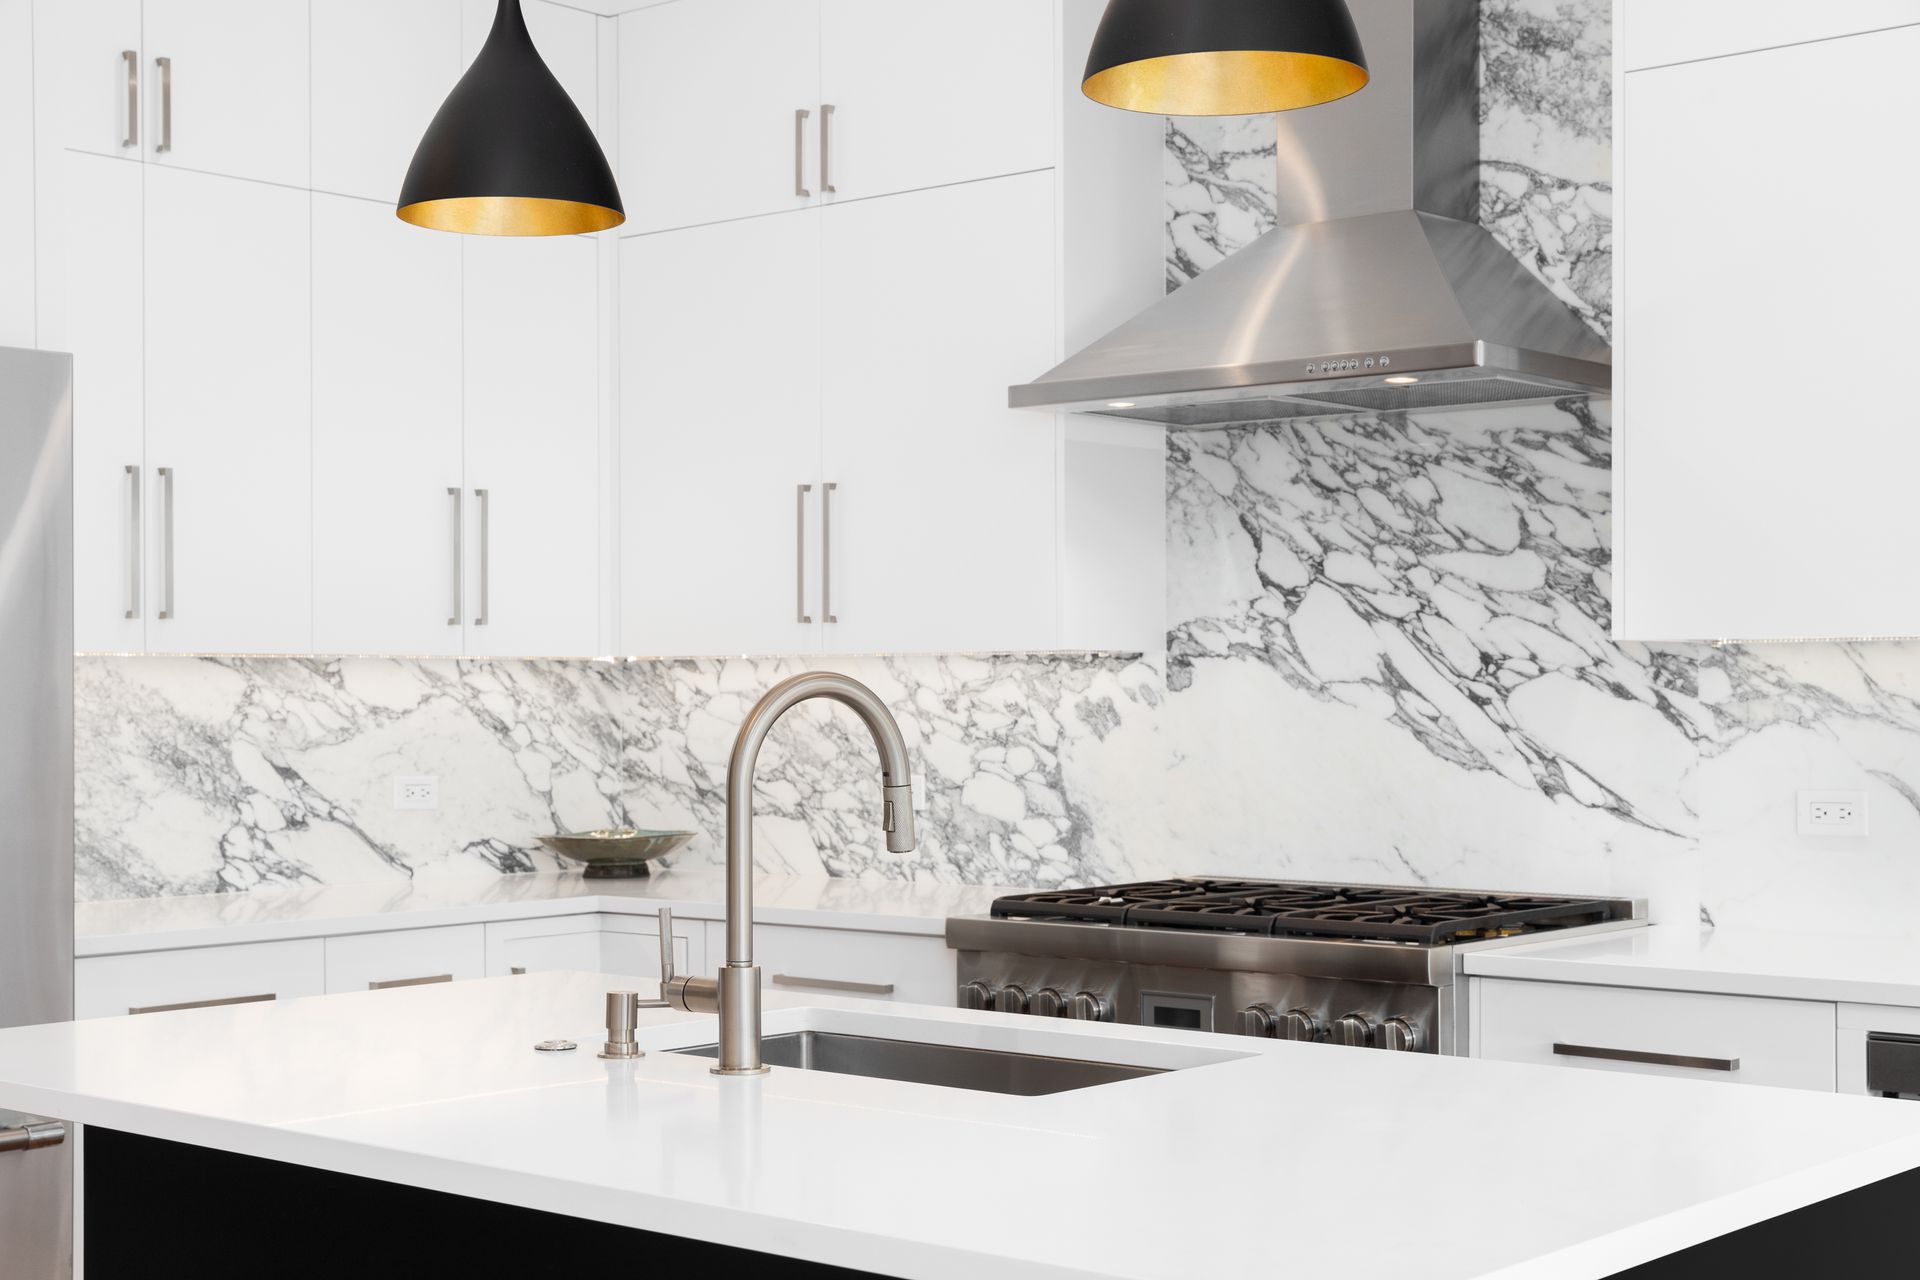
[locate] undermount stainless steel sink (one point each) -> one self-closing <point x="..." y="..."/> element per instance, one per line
<point x="953" y="1066"/>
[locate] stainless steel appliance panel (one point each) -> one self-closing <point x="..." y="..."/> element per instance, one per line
<point x="36" y="773"/>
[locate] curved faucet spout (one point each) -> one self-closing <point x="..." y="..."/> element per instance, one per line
<point x="738" y="988"/>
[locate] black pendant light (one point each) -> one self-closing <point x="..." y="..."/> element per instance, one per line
<point x="1224" y="57"/>
<point x="509" y="154"/>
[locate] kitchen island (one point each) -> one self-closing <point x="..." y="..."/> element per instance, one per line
<point x="1239" y="1157"/>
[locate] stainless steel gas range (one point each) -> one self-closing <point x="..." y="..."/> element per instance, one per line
<point x="1369" y="965"/>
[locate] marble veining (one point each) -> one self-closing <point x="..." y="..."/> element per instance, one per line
<point x="217" y="774"/>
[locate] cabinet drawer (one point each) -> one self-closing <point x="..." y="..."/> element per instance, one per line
<point x="104" y="986"/>
<point x="1743" y="1039"/>
<point x="845" y="962"/>
<point x="541" y="946"/>
<point x="361" y="961"/>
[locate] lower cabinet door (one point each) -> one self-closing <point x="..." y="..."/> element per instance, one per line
<point x="405" y="957"/>
<point x="1686" y="1034"/>
<point x="845" y="962"/>
<point x="542" y="946"/>
<point x="159" y="981"/>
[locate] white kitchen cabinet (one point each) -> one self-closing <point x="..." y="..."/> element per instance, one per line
<point x="943" y="531"/>
<point x="233" y="95"/>
<point x="720" y="438"/>
<point x="709" y="96"/>
<point x="532" y="445"/>
<point x="568" y="40"/>
<point x="1741" y="1039"/>
<point x="541" y="946"/>
<point x="381" y="69"/>
<point x="107" y="986"/>
<point x="801" y="960"/>
<point x="16" y="174"/>
<point x="229" y="530"/>
<point x="1761" y="467"/>
<point x="103" y="270"/>
<point x="935" y="92"/>
<point x="405" y="957"/>
<point x="387" y="433"/>
<point x="90" y="55"/>
<point x="630" y="945"/>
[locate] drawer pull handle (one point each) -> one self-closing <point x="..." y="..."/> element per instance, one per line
<point x="1651" y="1059"/>
<point x="834" y="984"/>
<point x="204" y="1004"/>
<point x="517" y="971"/>
<point x="427" y="981"/>
<point x="33" y="1135"/>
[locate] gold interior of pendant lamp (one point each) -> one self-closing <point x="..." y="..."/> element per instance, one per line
<point x="1231" y="82"/>
<point x="510" y="216"/>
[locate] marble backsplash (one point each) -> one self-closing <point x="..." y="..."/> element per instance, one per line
<point x="1387" y="659"/>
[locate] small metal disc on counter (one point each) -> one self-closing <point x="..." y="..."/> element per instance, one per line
<point x="555" y="1046"/>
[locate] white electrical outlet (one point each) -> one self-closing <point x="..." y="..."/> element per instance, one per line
<point x="421" y="792"/>
<point x="1831" y="813"/>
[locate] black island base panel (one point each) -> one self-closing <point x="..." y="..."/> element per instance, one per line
<point x="162" y="1209"/>
<point x="166" y="1209"/>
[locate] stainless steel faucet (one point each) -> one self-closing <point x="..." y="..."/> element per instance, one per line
<point x="735" y="994"/>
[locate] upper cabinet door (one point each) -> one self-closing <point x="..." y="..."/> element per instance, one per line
<point x="1766" y="271"/>
<point x="232" y="97"/>
<point x="720" y="431"/>
<point x="111" y="484"/>
<point x="934" y="92"/>
<point x="381" y="68"/>
<point x="229" y="536"/>
<point x="533" y="446"/>
<point x="92" y="52"/>
<point x="709" y="96"/>
<point x="943" y="526"/>
<point x="386" y="433"/>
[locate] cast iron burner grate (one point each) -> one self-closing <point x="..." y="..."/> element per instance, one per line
<point x="1281" y="908"/>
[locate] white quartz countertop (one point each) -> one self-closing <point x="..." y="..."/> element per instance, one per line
<point x="153" y="924"/>
<point x="1799" y="966"/>
<point x="1480" y="1168"/>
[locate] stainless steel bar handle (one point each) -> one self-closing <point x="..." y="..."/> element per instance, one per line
<point x="459" y="553"/>
<point x="826" y="144"/>
<point x="666" y="946"/>
<point x="204" y="1004"/>
<point x="133" y="542"/>
<point x="33" y="1135"/>
<point x="834" y="984"/>
<point x="166" y="104"/>
<point x="826" y="551"/>
<point x="1649" y="1059"/>
<point x="132" y="59"/>
<point x="800" y="153"/>
<point x="427" y="981"/>
<point x="800" y="552"/>
<point x="486" y="519"/>
<point x="166" y="542"/>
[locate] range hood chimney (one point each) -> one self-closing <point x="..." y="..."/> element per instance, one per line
<point x="1377" y="292"/>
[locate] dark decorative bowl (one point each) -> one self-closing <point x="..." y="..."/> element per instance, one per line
<point x="607" y="855"/>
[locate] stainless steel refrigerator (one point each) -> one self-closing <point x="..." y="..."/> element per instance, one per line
<point x="36" y="784"/>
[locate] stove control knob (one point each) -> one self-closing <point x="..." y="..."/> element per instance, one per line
<point x="1402" y="1036"/>
<point x="1011" y="999"/>
<point x="1301" y="1024"/>
<point x="1354" y="1029"/>
<point x="1257" y="1020"/>
<point x="1089" y="1007"/>
<point x="1047" y="1002"/>
<point x="976" y="995"/>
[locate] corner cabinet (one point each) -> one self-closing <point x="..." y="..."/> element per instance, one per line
<point x="817" y="335"/>
<point x="1765" y="264"/>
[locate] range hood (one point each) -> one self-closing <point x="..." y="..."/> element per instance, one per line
<point x="1378" y="292"/>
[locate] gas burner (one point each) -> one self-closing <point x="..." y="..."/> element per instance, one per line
<point x="1281" y="908"/>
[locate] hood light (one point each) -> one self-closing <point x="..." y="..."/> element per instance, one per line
<point x="1400" y="380"/>
<point x="1119" y="404"/>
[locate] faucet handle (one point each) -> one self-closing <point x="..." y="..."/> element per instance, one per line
<point x="666" y="947"/>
